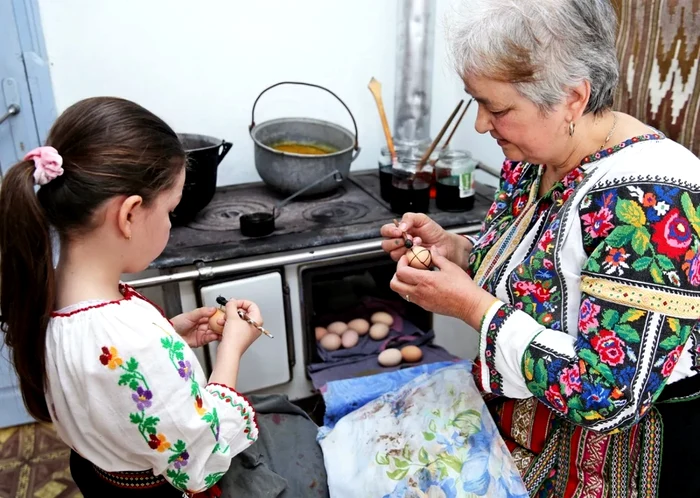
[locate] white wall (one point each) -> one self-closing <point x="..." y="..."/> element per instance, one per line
<point x="200" y="65"/>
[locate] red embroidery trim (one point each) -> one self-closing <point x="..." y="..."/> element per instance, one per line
<point x="127" y="291"/>
<point x="255" y="414"/>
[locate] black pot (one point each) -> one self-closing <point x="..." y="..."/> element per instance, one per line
<point x="203" y="156"/>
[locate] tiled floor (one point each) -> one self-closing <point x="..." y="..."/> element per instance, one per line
<point x="34" y="464"/>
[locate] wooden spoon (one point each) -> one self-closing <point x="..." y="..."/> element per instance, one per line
<point x="376" y="88"/>
<point x="430" y="150"/>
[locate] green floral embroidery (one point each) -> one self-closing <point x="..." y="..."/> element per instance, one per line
<point x="184" y="368"/>
<point x="147" y="424"/>
<point x="245" y="413"/>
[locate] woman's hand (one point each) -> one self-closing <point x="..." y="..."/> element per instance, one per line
<point x="449" y="291"/>
<point x="425" y="232"/>
<point x="193" y="327"/>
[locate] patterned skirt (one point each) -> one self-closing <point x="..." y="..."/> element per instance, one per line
<point x="653" y="458"/>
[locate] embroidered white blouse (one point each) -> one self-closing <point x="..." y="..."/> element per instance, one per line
<point x="128" y="394"/>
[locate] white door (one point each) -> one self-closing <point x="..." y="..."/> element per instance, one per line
<point x="26" y="113"/>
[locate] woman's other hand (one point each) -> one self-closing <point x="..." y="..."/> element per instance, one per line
<point x="449" y="291"/>
<point x="423" y="231"/>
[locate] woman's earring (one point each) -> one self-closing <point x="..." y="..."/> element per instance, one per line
<point x="572" y="128"/>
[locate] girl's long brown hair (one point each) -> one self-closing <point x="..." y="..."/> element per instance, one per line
<point x="110" y="147"/>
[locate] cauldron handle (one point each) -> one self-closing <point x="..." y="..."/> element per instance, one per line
<point x="354" y="123"/>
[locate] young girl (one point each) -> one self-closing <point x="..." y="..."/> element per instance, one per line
<point x="118" y="380"/>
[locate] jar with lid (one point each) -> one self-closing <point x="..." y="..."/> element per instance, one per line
<point x="454" y="174"/>
<point x="410" y="187"/>
<point x="404" y="149"/>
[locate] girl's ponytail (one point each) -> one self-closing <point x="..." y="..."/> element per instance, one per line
<point x="27" y="286"/>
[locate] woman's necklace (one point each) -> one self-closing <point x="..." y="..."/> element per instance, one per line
<point x="612" y="130"/>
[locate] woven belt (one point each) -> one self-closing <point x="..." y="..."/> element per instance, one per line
<point x="143" y="479"/>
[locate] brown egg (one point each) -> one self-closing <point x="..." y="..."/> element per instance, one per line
<point x="383" y="317"/>
<point x="411" y="354"/>
<point x="337" y="328"/>
<point x="330" y="342"/>
<point x="320" y="332"/>
<point x="359" y="325"/>
<point x="379" y="331"/>
<point x="213" y="321"/>
<point x="349" y="339"/>
<point x="419" y="257"/>
<point x="389" y="357"/>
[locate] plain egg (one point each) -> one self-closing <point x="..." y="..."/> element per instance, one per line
<point x="411" y="354"/>
<point x="389" y="357"/>
<point x="383" y="317"/>
<point x="330" y="342"/>
<point x="359" y="325"/>
<point x="320" y="332"/>
<point x="349" y="339"/>
<point x="379" y="331"/>
<point x="337" y="328"/>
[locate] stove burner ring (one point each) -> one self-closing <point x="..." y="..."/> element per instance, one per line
<point x="336" y="212"/>
<point x="221" y="216"/>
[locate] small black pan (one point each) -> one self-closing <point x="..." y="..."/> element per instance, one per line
<point x="261" y="223"/>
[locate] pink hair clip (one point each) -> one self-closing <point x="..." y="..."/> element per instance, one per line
<point x="48" y="164"/>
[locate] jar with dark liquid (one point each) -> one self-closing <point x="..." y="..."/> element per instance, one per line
<point x="404" y="149"/>
<point x="410" y="188"/>
<point x="454" y="174"/>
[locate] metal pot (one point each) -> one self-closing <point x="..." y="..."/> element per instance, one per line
<point x="288" y="172"/>
<point x="203" y="157"/>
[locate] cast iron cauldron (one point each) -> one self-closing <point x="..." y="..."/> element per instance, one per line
<point x="203" y="157"/>
<point x="288" y="172"/>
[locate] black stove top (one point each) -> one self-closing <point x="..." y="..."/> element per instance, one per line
<point x="354" y="212"/>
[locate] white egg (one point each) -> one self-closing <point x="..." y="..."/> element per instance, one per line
<point x="349" y="339"/>
<point x="383" y="317"/>
<point x="389" y="357"/>
<point x="379" y="331"/>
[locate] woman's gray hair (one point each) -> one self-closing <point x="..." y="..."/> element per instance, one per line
<point x="544" y="47"/>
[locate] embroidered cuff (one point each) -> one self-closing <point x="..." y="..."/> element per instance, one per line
<point x="506" y="333"/>
<point x="239" y="403"/>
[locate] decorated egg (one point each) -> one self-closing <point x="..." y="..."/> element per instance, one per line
<point x="419" y="258"/>
<point x="389" y="357"/>
<point x="359" y="325"/>
<point x="330" y="342"/>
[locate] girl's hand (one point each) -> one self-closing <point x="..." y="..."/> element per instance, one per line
<point x="239" y="334"/>
<point x="193" y="327"/>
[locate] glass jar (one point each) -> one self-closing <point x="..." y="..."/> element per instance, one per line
<point x="454" y="175"/>
<point x="410" y="188"/>
<point x="404" y="149"/>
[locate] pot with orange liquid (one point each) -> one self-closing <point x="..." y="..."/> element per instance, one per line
<point x="292" y="153"/>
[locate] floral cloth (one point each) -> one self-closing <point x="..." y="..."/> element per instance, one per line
<point x="433" y="437"/>
<point x="598" y="282"/>
<point x="127" y="394"/>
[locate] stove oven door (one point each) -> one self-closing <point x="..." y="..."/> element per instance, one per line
<point x="266" y="363"/>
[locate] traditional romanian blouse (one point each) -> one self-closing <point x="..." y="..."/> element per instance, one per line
<point x="127" y="394"/>
<point x="598" y="284"/>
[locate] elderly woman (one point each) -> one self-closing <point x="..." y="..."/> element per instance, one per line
<point x="583" y="282"/>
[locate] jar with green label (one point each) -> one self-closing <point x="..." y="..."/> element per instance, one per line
<point x="454" y="175"/>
